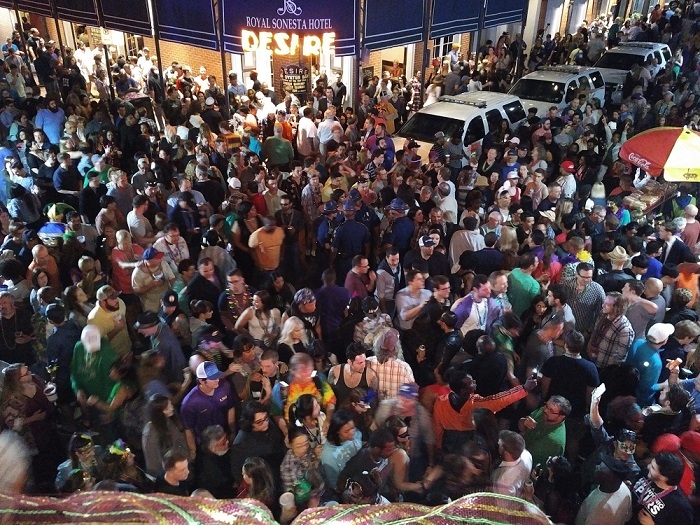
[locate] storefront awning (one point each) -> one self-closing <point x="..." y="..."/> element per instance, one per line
<point x="499" y="12"/>
<point x="187" y="22"/>
<point x="77" y="11"/>
<point x="250" y="25"/>
<point x="129" y="17"/>
<point x="455" y="16"/>
<point x="392" y="23"/>
<point x="36" y="7"/>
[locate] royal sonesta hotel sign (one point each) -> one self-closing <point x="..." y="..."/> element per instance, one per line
<point x="291" y="27"/>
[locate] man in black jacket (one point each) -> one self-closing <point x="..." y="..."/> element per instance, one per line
<point x="213" y="463"/>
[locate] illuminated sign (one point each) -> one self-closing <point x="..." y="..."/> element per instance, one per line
<point x="291" y="27"/>
<point x="286" y="43"/>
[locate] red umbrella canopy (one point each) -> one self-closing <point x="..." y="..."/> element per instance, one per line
<point x="675" y="151"/>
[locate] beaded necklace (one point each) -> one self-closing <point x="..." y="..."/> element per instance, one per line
<point x="234" y="306"/>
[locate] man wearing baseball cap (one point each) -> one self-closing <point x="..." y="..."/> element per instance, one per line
<point x="437" y="262"/>
<point x="566" y="179"/>
<point x="402" y="228"/>
<point x="211" y="402"/>
<point x="644" y="356"/>
<point x="109" y="316"/>
<point x="151" y="277"/>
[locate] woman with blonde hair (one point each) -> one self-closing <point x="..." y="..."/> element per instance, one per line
<point x="564" y="207"/>
<point x="508" y="240"/>
<point x="293" y="339"/>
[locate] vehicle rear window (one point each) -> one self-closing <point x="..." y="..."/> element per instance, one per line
<point x="597" y="79"/>
<point x="423" y="126"/>
<point x="540" y="90"/>
<point x="619" y="61"/>
<point x="515" y="111"/>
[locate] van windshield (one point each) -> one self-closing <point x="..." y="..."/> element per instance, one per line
<point x="423" y="126"/>
<point x="619" y="61"/>
<point x="541" y="90"/>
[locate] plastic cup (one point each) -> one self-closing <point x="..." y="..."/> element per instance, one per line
<point x="287" y="500"/>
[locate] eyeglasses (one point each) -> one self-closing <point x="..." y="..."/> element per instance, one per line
<point x="443" y="288"/>
<point x="261" y="421"/>
<point x="552" y="411"/>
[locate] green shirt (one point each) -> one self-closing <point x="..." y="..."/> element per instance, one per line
<point x="522" y="289"/>
<point x="90" y="373"/>
<point x="104" y="176"/>
<point x="545" y="440"/>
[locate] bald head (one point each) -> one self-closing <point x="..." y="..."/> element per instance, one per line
<point x="39" y="252"/>
<point x="653" y="287"/>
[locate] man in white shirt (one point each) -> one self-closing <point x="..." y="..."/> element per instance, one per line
<point x="611" y="502"/>
<point x="307" y="134"/>
<point x="515" y="467"/>
<point x="566" y="179"/>
<point x="172" y="246"/>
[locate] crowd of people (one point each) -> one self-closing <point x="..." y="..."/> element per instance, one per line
<point x="319" y="310"/>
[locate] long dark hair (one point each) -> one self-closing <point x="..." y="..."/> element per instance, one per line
<point x="156" y="405"/>
<point x="340" y="418"/>
<point x="248" y="414"/>
<point x="303" y="407"/>
<point x="263" y="485"/>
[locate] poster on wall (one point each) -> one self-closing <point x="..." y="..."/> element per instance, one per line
<point x="290" y="27"/>
<point x="296" y="78"/>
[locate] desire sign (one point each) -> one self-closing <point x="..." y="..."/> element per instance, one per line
<point x="287" y="44"/>
<point x="291" y="27"/>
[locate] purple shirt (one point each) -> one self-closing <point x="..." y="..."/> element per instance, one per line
<point x="355" y="285"/>
<point x="331" y="300"/>
<point x="199" y="410"/>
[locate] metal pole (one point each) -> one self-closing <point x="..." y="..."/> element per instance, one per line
<point x="357" y="76"/>
<point x="224" y="72"/>
<point x="21" y="33"/>
<point x="100" y="21"/>
<point x="429" y="8"/>
<point x="156" y="40"/>
<point x="479" y="32"/>
<point x="58" y="35"/>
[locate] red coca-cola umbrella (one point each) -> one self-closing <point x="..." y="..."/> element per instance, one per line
<point x="673" y="151"/>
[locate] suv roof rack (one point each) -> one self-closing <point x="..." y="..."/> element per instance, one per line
<point x="564" y="69"/>
<point x="455" y="100"/>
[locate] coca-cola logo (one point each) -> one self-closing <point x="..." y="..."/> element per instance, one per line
<point x="639" y="161"/>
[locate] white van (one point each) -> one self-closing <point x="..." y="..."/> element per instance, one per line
<point x="557" y="86"/>
<point x="469" y="115"/>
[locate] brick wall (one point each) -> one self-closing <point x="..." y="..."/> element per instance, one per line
<point x="191" y="56"/>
